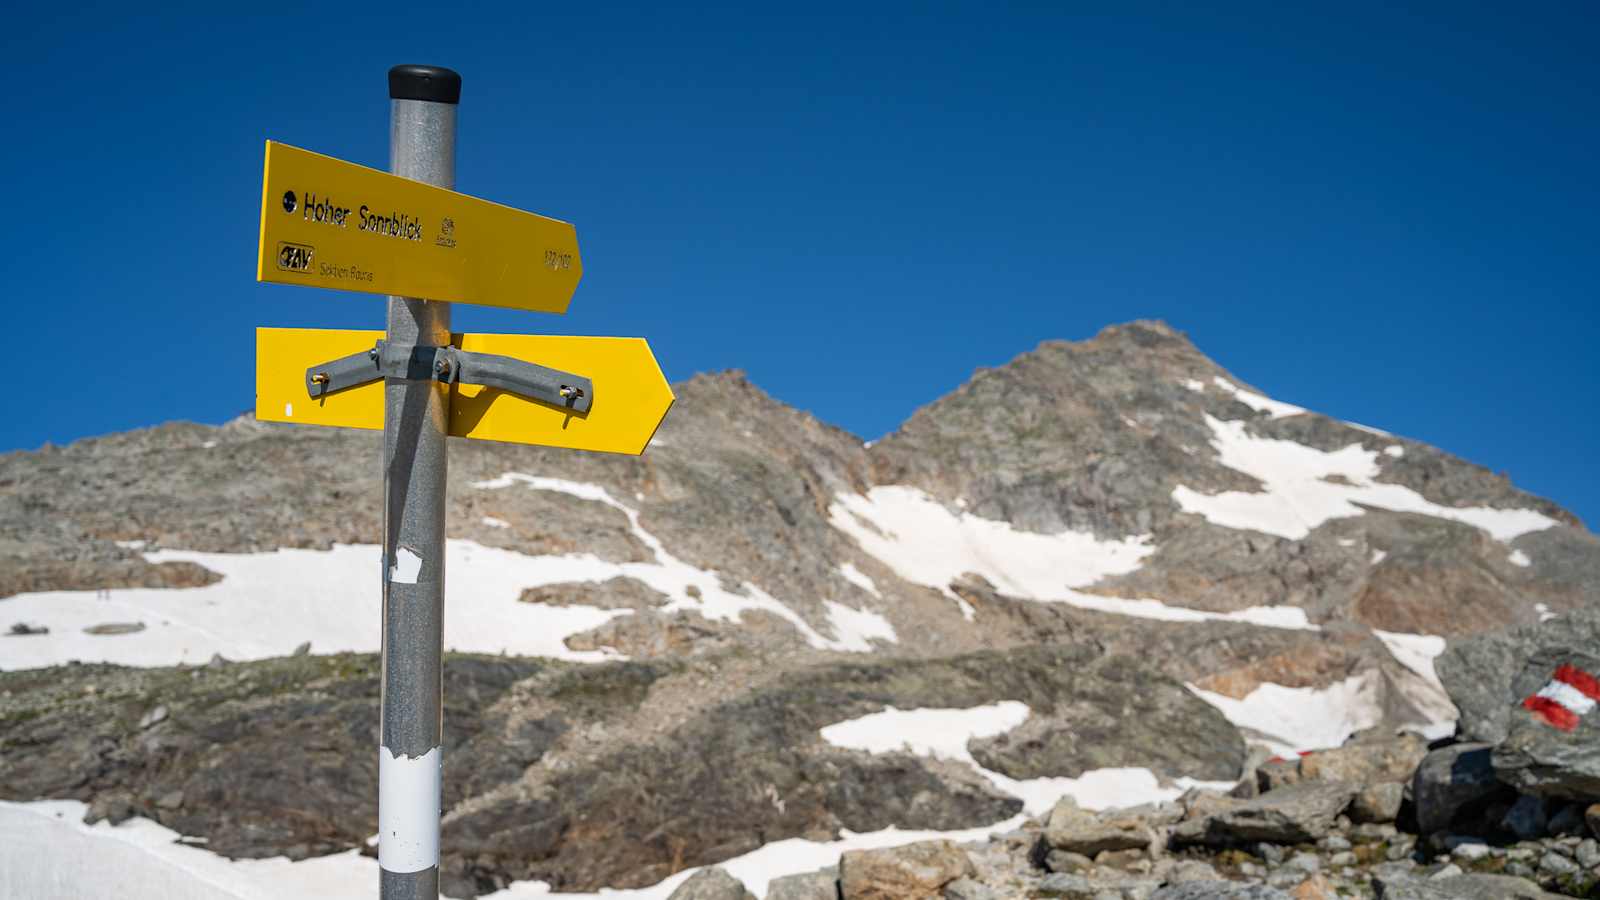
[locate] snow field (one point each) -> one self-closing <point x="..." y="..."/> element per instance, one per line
<point x="926" y="543"/>
<point x="1297" y="495"/>
<point x="268" y="604"/>
<point x="854" y="629"/>
<point x="1289" y="720"/>
<point x="944" y="733"/>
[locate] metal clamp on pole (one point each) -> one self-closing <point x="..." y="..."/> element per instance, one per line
<point x="452" y="366"/>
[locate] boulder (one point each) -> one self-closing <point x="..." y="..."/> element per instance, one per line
<point x="1077" y="830"/>
<point x="1366" y="762"/>
<point x="1378" y="804"/>
<point x="1552" y="744"/>
<point x="1485" y="678"/>
<point x="1295" y="814"/>
<point x="1455" y="783"/>
<point x="711" y="884"/>
<point x="823" y="885"/>
<point x="911" y="872"/>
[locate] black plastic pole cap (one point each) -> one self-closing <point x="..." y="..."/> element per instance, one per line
<point x="435" y="83"/>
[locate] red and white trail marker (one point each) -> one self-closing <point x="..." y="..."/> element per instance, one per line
<point x="1571" y="694"/>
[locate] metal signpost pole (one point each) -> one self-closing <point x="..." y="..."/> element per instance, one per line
<point x="422" y="135"/>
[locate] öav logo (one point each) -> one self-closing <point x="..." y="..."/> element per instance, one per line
<point x="294" y="257"/>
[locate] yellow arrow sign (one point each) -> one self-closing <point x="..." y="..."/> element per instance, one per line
<point x="631" y="396"/>
<point x="333" y="224"/>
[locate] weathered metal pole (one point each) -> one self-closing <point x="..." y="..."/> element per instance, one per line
<point x="422" y="144"/>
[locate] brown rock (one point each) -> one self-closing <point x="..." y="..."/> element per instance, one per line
<point x="912" y="872"/>
<point x="1378" y="803"/>
<point x="1080" y="831"/>
<point x="1314" y="888"/>
<point x="1366" y="762"/>
<point x="1591" y="817"/>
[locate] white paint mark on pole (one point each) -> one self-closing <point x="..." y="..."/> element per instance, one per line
<point x="288" y="410"/>
<point x="408" y="810"/>
<point x="407" y="566"/>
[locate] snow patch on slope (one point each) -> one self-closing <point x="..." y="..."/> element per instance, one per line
<point x="267" y="604"/>
<point x="675" y="578"/>
<point x="1297" y="495"/>
<point x="944" y="733"/>
<point x="1275" y="408"/>
<point x="859" y="578"/>
<point x="1418" y="652"/>
<point x="925" y="543"/>
<point x="1289" y="720"/>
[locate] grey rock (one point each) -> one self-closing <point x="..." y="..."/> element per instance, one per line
<point x="1077" y="830"/>
<point x="1272" y="853"/>
<point x="1486" y="675"/>
<point x="823" y="885"/>
<point x="1069" y="887"/>
<point x="170" y="800"/>
<point x="1378" y="803"/>
<point x="1372" y="832"/>
<point x="1334" y="843"/>
<point x="1555" y="864"/>
<point x="711" y="884"/>
<point x="1192" y="870"/>
<point x="302" y="649"/>
<point x="23" y="629"/>
<point x="1066" y="861"/>
<point x="1306" y="863"/>
<point x="961" y="889"/>
<point x="911" y="872"/>
<point x="1448" y="870"/>
<point x="1470" y="850"/>
<point x="1303" y="812"/>
<point x="1342" y="858"/>
<point x="1389" y="886"/>
<point x="1219" y="890"/>
<point x="154" y="717"/>
<point x="1539" y="758"/>
<point x="1453" y="783"/>
<point x="1588" y="854"/>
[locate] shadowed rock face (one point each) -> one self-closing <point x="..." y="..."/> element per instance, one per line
<point x="707" y="745"/>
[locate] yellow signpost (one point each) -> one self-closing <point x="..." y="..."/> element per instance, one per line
<point x="631" y="396"/>
<point x="332" y="224"/>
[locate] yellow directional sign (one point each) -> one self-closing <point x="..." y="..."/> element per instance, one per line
<point x="631" y="396"/>
<point x="333" y="224"/>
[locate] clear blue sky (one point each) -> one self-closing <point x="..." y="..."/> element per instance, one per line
<point x="1383" y="215"/>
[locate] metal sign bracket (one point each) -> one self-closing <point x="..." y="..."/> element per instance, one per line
<point x="451" y="366"/>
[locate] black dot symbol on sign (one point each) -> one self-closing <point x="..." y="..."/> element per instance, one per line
<point x="289" y="201"/>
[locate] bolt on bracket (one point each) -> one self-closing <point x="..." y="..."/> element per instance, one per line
<point x="451" y="366"/>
